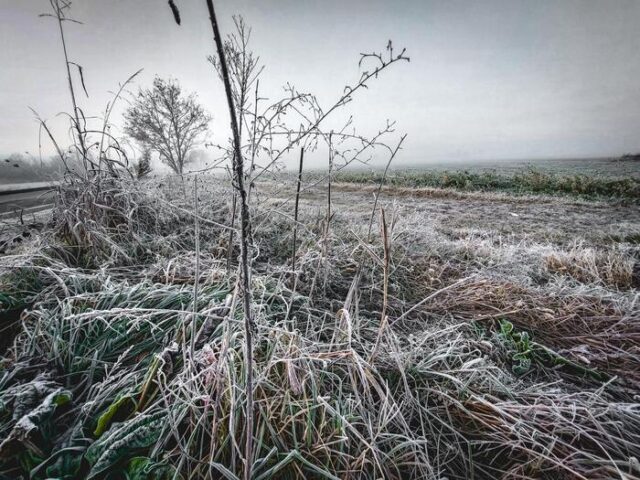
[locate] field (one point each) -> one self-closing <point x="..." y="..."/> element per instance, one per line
<point x="606" y="167"/>
<point x="422" y="333"/>
<point x="584" y="178"/>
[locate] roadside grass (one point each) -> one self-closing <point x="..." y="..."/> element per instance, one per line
<point x="530" y="181"/>
<point x="476" y="375"/>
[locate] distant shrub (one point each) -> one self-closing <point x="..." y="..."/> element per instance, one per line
<point x="143" y="166"/>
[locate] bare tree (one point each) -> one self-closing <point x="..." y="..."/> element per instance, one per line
<point x="164" y="120"/>
<point x="296" y="120"/>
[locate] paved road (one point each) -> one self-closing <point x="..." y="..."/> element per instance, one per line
<point x="14" y="198"/>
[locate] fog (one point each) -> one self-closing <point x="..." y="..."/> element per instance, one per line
<point x="487" y="80"/>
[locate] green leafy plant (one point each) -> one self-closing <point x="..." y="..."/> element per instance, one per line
<point x="122" y="441"/>
<point x="525" y="353"/>
<point x="118" y="411"/>
<point x="519" y="344"/>
<point x="30" y="430"/>
<point x="144" y="468"/>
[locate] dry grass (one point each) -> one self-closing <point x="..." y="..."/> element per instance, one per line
<point x="588" y="265"/>
<point x="591" y="331"/>
<point x="438" y="399"/>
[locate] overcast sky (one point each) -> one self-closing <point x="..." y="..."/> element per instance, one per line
<point x="488" y="79"/>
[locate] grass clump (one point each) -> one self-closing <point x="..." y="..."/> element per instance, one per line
<point x="588" y="265"/>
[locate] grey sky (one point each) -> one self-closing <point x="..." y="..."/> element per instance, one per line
<point x="488" y="79"/>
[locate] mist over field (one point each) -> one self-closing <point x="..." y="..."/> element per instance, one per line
<point x="488" y="81"/>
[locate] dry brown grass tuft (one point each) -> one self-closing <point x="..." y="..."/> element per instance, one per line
<point x="589" y="265"/>
<point x="547" y="434"/>
<point x="591" y="331"/>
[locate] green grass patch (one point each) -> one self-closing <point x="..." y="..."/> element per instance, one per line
<point x="527" y="182"/>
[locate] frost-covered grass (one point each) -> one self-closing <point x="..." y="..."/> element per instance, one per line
<point x="499" y="360"/>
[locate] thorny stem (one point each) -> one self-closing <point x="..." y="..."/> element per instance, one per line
<point x="245" y="234"/>
<point x="328" y="221"/>
<point x="343" y="100"/>
<point x="231" y="231"/>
